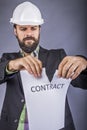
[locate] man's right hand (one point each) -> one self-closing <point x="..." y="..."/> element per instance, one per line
<point x="29" y="63"/>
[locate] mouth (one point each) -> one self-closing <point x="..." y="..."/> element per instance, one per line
<point x="29" y="39"/>
<point x="29" y="43"/>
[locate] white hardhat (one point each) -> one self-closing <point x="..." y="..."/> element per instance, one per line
<point x="27" y="14"/>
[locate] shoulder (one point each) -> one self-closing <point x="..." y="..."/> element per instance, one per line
<point x="11" y="55"/>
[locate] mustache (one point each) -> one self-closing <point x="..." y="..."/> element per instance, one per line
<point x="29" y="38"/>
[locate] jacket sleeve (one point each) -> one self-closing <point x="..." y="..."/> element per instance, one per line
<point x="81" y="80"/>
<point x="3" y="63"/>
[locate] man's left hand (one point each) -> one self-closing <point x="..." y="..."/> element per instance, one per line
<point x="71" y="67"/>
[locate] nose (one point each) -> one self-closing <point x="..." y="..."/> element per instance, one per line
<point x="28" y="32"/>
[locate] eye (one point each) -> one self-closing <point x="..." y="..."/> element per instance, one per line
<point x="34" y="28"/>
<point x="23" y="28"/>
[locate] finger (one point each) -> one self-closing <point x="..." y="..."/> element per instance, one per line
<point x="65" y="69"/>
<point x="35" y="65"/>
<point x="76" y="73"/>
<point x="71" y="70"/>
<point x="38" y="62"/>
<point x="80" y="68"/>
<point x="38" y="66"/>
<point x="31" y="65"/>
<point x="25" y="65"/>
<point x="60" y="67"/>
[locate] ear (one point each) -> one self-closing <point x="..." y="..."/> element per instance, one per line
<point x="15" y="31"/>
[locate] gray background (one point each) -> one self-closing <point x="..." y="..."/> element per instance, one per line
<point x="65" y="27"/>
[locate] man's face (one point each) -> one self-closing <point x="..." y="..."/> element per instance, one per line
<point x="28" y="37"/>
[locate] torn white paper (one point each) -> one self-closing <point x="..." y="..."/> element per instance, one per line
<point x="45" y="100"/>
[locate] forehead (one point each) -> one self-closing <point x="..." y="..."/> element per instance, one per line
<point x="27" y="26"/>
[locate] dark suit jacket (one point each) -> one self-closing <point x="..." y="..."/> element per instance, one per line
<point x="14" y="98"/>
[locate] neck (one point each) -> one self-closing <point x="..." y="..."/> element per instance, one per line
<point x="25" y="54"/>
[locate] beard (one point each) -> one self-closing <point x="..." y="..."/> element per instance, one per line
<point x="29" y="47"/>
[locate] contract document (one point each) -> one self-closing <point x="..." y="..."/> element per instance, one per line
<point x="45" y="100"/>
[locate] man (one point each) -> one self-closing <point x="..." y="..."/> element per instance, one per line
<point x="27" y="21"/>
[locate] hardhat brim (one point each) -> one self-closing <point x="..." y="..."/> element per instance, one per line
<point x="26" y="22"/>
